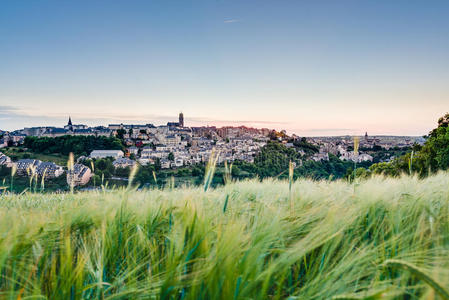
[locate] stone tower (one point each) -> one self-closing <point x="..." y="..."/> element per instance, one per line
<point x="181" y="119"/>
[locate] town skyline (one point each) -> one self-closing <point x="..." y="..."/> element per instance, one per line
<point x="195" y="123"/>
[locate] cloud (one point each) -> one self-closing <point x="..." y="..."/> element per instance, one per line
<point x="8" y="109"/>
<point x="231" y="21"/>
<point x="210" y="120"/>
<point x="330" y="129"/>
<point x="312" y="132"/>
<point x="8" y="112"/>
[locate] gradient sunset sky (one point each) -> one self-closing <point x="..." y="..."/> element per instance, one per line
<point x="311" y="67"/>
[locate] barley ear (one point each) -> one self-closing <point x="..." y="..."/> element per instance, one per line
<point x="399" y="264"/>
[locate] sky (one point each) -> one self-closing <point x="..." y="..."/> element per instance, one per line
<point x="313" y="68"/>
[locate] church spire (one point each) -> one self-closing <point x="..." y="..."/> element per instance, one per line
<point x="70" y="121"/>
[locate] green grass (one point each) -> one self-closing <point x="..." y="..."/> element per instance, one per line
<point x="383" y="238"/>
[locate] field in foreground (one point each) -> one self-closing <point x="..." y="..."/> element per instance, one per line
<point x="379" y="239"/>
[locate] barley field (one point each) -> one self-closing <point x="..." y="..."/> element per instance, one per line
<point x="383" y="238"/>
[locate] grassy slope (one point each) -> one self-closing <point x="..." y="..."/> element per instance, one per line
<point x="58" y="159"/>
<point x="333" y="239"/>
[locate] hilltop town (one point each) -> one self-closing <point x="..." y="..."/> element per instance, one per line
<point x="175" y="145"/>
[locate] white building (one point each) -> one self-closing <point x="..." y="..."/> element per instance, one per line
<point x="133" y="150"/>
<point x="123" y="162"/>
<point x="24" y="166"/>
<point x="5" y="160"/>
<point x="80" y="175"/>
<point x="356" y="158"/>
<point x="165" y="164"/>
<point x="50" y="169"/>
<point x="178" y="162"/>
<point x="320" y="156"/>
<point x="107" y="153"/>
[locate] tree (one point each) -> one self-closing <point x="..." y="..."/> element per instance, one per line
<point x="273" y="135"/>
<point x="442" y="122"/>
<point x="171" y="156"/>
<point x="235" y="171"/>
<point x="157" y="164"/>
<point x="196" y="171"/>
<point x="122" y="172"/>
<point x="121" y="133"/>
<point x="362" y="173"/>
<point x="383" y="168"/>
<point x="4" y="171"/>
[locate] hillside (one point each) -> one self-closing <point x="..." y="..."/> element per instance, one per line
<point x="384" y="237"/>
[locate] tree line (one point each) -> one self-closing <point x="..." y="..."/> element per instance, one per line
<point x="79" y="145"/>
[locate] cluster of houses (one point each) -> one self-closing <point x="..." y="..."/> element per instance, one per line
<point x="340" y="150"/>
<point x="339" y="145"/>
<point x="199" y="151"/>
<point x="183" y="154"/>
<point x="11" y="139"/>
<point x="79" y="175"/>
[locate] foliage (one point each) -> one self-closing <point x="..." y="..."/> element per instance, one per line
<point x="430" y="158"/>
<point x="273" y="159"/>
<point x="385" y="238"/>
<point x="304" y="145"/>
<point x="171" y="156"/>
<point x="324" y="169"/>
<point x="79" y="145"/>
<point x="121" y="133"/>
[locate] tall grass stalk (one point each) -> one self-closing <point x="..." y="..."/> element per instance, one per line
<point x="420" y="274"/>
<point x="70" y="170"/>
<point x="356" y="153"/>
<point x="92" y="165"/>
<point x="210" y="169"/>
<point x="132" y="175"/>
<point x="290" y="183"/>
<point x="410" y="163"/>
<point x="43" y="180"/>
<point x="31" y="171"/>
<point x="154" y="177"/>
<point x="13" y="173"/>
<point x="227" y="177"/>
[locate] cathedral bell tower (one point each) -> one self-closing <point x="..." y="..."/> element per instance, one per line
<point x="181" y="119"/>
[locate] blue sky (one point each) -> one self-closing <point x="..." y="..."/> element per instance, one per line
<point x="311" y="67"/>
